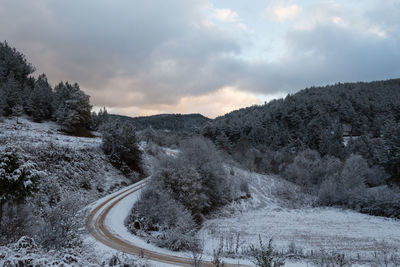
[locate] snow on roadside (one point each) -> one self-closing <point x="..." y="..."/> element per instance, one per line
<point x="115" y="224"/>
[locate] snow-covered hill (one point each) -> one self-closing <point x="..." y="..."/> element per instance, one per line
<point x="74" y="173"/>
<point x="74" y="163"/>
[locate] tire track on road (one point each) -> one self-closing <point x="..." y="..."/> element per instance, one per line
<point x="96" y="226"/>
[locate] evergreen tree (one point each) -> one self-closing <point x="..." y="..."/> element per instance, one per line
<point x="186" y="186"/>
<point x="97" y="120"/>
<point x="72" y="107"/>
<point x="14" y="79"/>
<point x="3" y="103"/>
<point x="392" y="135"/>
<point x="120" y="143"/>
<point x="41" y="99"/>
<point x="18" y="177"/>
<point x="11" y="93"/>
<point x="12" y="61"/>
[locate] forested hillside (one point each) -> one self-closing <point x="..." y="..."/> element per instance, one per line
<point x="340" y="143"/>
<point x="172" y="122"/>
<point x="321" y="119"/>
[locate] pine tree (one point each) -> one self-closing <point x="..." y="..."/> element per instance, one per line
<point x="40" y="100"/>
<point x="3" y="103"/>
<point x="72" y="107"/>
<point x="392" y="135"/>
<point x="120" y="143"/>
<point x="18" y="177"/>
<point x="12" y="61"/>
<point x="12" y="93"/>
<point x="98" y="120"/>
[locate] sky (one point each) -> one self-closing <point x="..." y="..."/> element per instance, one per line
<point x="203" y="56"/>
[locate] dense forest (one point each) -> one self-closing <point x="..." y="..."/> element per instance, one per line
<point x="339" y="142"/>
<point x="335" y="120"/>
<point x="170" y="122"/>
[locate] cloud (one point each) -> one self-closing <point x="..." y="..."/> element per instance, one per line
<point x="226" y="15"/>
<point x="211" y="105"/>
<point x="144" y="57"/>
<point x="378" y="31"/>
<point x="282" y="13"/>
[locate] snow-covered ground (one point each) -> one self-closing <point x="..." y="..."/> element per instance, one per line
<point x="30" y="136"/>
<point x="22" y="130"/>
<point x="73" y="167"/>
<point x="278" y="210"/>
<point x="115" y="224"/>
<point x="310" y="229"/>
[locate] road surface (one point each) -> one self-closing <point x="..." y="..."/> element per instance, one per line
<point x="97" y="228"/>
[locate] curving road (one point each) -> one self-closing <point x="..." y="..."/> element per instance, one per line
<point x="97" y="228"/>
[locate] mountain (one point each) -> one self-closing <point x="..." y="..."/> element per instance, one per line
<point x="171" y="122"/>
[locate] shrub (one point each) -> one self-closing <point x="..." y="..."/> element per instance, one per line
<point x="58" y="226"/>
<point x="305" y="169"/>
<point x="157" y="210"/>
<point x="186" y="187"/>
<point x="327" y="194"/>
<point x="265" y="256"/>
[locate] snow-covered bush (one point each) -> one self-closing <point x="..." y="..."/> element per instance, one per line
<point x="305" y="169"/>
<point x="327" y="194"/>
<point x="265" y="256"/>
<point x="18" y="220"/>
<point x="350" y="188"/>
<point x="57" y="226"/>
<point x="354" y="173"/>
<point x="156" y="210"/>
<point x="201" y="154"/>
<point x="18" y="177"/>
<point x="122" y="260"/>
<point x="25" y="252"/>
<point x="379" y="201"/>
<point x="185" y="188"/>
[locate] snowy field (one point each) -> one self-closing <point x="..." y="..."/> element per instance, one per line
<point x="310" y="229"/>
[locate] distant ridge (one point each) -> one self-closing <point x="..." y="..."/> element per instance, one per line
<point x="171" y="122"/>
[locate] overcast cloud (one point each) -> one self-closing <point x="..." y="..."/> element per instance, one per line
<point x="156" y="56"/>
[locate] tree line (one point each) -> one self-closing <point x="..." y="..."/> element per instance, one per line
<point x="21" y="93"/>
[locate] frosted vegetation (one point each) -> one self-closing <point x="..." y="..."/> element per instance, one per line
<point x="335" y="146"/>
<point x="183" y="190"/>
